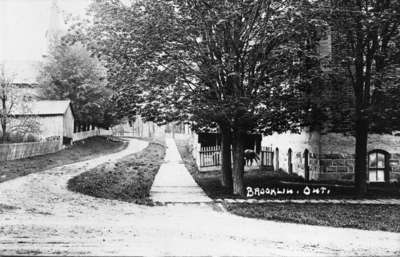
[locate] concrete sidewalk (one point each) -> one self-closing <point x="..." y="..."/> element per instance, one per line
<point x="173" y="182"/>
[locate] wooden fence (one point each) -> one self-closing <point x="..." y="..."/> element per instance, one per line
<point x="139" y="128"/>
<point x="210" y="156"/>
<point x="90" y="133"/>
<point x="16" y="151"/>
<point x="267" y="157"/>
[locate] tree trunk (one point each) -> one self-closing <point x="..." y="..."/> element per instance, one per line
<point x="238" y="163"/>
<point x="226" y="162"/>
<point x="360" y="169"/>
<point x="4" y="131"/>
<point x="4" y="120"/>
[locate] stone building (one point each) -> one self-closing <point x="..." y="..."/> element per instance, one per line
<point x="321" y="154"/>
<point x="330" y="156"/>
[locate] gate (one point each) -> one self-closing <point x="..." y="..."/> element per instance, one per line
<point x="267" y="157"/>
<point x="210" y="156"/>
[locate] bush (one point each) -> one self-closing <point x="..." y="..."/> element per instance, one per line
<point x="19" y="137"/>
<point x="31" y="138"/>
<point x="15" y="138"/>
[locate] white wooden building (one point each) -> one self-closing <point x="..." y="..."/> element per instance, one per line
<point x="55" y="118"/>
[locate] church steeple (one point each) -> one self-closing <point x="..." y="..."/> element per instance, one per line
<point x="55" y="29"/>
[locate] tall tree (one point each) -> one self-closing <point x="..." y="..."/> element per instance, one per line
<point x="235" y="64"/>
<point x="366" y="51"/>
<point x="7" y="103"/>
<point x="69" y="72"/>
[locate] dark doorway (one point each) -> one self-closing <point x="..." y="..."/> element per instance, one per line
<point x="290" y="165"/>
<point x="306" y="166"/>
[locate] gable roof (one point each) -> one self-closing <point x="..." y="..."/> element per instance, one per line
<point x="43" y="108"/>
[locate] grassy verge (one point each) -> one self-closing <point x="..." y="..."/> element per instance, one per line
<point x="360" y="216"/>
<point x="80" y="151"/>
<point x="210" y="181"/>
<point x="263" y="180"/>
<point x="128" y="179"/>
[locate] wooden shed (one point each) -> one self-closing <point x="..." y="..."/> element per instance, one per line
<point x="55" y="118"/>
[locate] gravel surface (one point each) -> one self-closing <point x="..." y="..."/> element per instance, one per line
<point x="38" y="215"/>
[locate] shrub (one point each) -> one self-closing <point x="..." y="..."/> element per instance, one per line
<point x="31" y="138"/>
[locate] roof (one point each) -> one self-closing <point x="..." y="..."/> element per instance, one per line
<point x="43" y="108"/>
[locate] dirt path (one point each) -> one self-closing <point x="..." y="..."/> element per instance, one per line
<point x="39" y="216"/>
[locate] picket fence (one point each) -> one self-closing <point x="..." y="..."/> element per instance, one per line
<point x="90" y="133"/>
<point x="210" y="157"/>
<point x="143" y="130"/>
<point x="16" y="151"/>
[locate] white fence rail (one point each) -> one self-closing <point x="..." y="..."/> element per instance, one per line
<point x="16" y="151"/>
<point x="91" y="133"/>
<point x="139" y="128"/>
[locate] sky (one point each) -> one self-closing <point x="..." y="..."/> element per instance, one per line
<point x="23" y="26"/>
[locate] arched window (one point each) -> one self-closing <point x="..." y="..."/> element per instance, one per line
<point x="290" y="165"/>
<point x="378" y="166"/>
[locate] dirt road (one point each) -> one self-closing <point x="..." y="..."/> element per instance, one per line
<point x="38" y="215"/>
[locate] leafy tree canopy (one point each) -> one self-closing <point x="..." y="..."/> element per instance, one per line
<point x="233" y="62"/>
<point x="365" y="62"/>
<point x="69" y="72"/>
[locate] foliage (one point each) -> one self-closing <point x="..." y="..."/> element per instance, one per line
<point x="366" y="53"/>
<point x="236" y="64"/>
<point x="14" y="129"/>
<point x="231" y="61"/>
<point x="69" y="72"/>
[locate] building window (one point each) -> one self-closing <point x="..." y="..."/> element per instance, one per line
<point x="377" y="165"/>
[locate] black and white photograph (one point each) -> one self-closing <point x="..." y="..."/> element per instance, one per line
<point x="200" y="128"/>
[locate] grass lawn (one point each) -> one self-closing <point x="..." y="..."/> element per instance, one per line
<point x="368" y="217"/>
<point x="361" y="216"/>
<point x="80" y="151"/>
<point x="128" y="179"/>
<point x="263" y="179"/>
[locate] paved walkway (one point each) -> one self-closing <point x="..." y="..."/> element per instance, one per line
<point x="38" y="215"/>
<point x="173" y="183"/>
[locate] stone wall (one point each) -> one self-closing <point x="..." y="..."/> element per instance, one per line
<point x="331" y="156"/>
<point x="337" y="155"/>
<point x="339" y="143"/>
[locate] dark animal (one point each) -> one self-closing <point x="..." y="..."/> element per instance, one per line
<point x="250" y="156"/>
